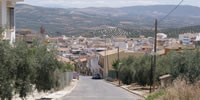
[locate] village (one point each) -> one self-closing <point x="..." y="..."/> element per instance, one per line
<point x="97" y="54"/>
<point x="113" y="63"/>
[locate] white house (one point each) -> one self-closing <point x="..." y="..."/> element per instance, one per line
<point x="161" y="36"/>
<point x="187" y="38"/>
<point x="198" y="37"/>
<point x="121" y="44"/>
<point x="7" y="18"/>
<point x="120" y="41"/>
<point x="93" y="64"/>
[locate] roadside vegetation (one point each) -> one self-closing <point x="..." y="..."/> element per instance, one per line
<point x="25" y="68"/>
<point x="137" y="69"/>
<point x="156" y="95"/>
<point x="183" y="66"/>
<point x="179" y="90"/>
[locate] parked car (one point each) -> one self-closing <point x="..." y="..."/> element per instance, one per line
<point x="96" y="76"/>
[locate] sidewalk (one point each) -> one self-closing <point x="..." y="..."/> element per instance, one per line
<point x="59" y="94"/>
<point x="51" y="95"/>
<point x="135" y="89"/>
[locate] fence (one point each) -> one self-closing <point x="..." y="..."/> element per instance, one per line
<point x="112" y="74"/>
<point x="64" y="79"/>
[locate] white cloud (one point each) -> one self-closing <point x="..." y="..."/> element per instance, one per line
<point x="105" y="3"/>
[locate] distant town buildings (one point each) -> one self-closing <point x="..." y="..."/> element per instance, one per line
<point x="187" y="38"/>
<point x="97" y="54"/>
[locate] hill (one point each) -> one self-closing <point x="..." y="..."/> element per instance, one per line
<point x="73" y="21"/>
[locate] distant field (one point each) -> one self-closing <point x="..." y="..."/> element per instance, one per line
<point x="171" y="32"/>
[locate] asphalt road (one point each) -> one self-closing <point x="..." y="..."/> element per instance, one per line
<point x="88" y="89"/>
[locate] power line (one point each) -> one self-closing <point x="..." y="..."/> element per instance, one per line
<point x="162" y="19"/>
<point x="170" y="12"/>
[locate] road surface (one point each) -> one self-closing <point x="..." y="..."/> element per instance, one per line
<point x="88" y="89"/>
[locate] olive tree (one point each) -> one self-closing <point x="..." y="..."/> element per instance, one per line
<point x="25" y="67"/>
<point x="7" y="71"/>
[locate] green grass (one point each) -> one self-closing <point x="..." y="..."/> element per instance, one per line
<point x="156" y="95"/>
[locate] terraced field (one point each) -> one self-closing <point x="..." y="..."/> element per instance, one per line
<point x="114" y="31"/>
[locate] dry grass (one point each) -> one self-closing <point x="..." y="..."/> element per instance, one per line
<point x="182" y="91"/>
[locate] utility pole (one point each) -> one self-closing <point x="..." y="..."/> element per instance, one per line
<point x="155" y="47"/>
<point x="153" y="66"/>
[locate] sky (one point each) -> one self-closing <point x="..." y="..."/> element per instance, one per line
<point x="105" y="3"/>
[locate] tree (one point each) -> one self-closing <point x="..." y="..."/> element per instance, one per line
<point x="7" y="71"/>
<point x="1" y="32"/>
<point x="116" y="66"/>
<point x="25" y="67"/>
<point x="142" y="70"/>
<point x="67" y="67"/>
<point x="127" y="70"/>
<point x="47" y="64"/>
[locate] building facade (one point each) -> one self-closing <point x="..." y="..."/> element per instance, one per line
<point x="7" y="19"/>
<point x="106" y="59"/>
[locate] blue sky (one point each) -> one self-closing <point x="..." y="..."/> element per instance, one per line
<point x="105" y="3"/>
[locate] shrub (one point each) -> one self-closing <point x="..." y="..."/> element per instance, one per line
<point x="156" y="95"/>
<point x="182" y="91"/>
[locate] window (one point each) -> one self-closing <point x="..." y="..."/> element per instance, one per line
<point x="12" y="19"/>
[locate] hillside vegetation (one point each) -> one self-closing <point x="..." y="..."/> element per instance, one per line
<point x="73" y="21"/>
<point x="130" y="33"/>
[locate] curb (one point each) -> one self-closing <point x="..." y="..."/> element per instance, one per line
<point x="127" y="90"/>
<point x="133" y="92"/>
<point x="58" y="95"/>
<point x="67" y="92"/>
